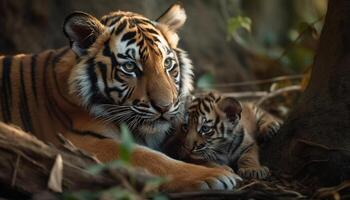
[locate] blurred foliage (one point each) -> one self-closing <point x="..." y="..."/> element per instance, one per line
<point x="126" y="145"/>
<point x="125" y="148"/>
<point x="275" y="38"/>
<point x="260" y="32"/>
<point x="115" y="193"/>
<point x="234" y="23"/>
<point x="205" y="82"/>
<point x="284" y="33"/>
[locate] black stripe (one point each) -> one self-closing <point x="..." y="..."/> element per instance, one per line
<point x="103" y="69"/>
<point x="107" y="52"/>
<point x="237" y="141"/>
<point x="127" y="95"/>
<point x="131" y="53"/>
<point x="6" y="98"/>
<point x="201" y="111"/>
<point x="33" y="67"/>
<point x="55" y="60"/>
<point x="131" y="42"/>
<point x="222" y="128"/>
<point x="45" y="77"/>
<point x="128" y="35"/>
<point x="120" y="28"/>
<point x="52" y="107"/>
<point x="152" y="31"/>
<point x="112" y="21"/>
<point x="89" y="133"/>
<point x="53" y="110"/>
<point x="123" y="56"/>
<point x="96" y="97"/>
<point x="23" y="104"/>
<point x="145" y="22"/>
<point x="206" y="107"/>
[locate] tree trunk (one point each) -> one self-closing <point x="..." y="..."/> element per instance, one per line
<point x="314" y="142"/>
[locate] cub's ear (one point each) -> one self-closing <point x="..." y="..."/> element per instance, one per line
<point x="82" y="31"/>
<point x="170" y="21"/>
<point x="231" y="107"/>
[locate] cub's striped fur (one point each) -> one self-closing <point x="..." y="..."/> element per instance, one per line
<point x="220" y="130"/>
<point x="123" y="68"/>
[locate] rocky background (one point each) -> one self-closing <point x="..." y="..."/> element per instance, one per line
<point x="30" y="26"/>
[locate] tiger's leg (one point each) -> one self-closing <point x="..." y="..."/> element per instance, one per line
<point x="268" y="126"/>
<point x="249" y="165"/>
<point x="183" y="176"/>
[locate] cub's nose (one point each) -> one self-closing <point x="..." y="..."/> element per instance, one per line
<point x="161" y="108"/>
<point x="199" y="147"/>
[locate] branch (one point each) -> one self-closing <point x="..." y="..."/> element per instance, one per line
<point x="26" y="163"/>
<point x="278" y="92"/>
<point x="257" y="82"/>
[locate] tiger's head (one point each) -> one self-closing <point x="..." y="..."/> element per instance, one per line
<point x="213" y="122"/>
<point x="129" y="68"/>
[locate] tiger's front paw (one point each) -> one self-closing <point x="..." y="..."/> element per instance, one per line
<point x="254" y="172"/>
<point x="195" y="177"/>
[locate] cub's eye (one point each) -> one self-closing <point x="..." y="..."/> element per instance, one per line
<point x="205" y="129"/>
<point x="128" y="67"/>
<point x="184" y="127"/>
<point x="168" y="63"/>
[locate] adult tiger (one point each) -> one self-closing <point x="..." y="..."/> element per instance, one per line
<point x="122" y="69"/>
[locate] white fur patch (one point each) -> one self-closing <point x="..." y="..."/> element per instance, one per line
<point x="186" y="72"/>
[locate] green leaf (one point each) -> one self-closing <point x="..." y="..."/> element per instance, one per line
<point x="234" y="23"/>
<point x="127" y="144"/>
<point x="117" y="193"/>
<point x="154" y="184"/>
<point x="96" y="169"/>
<point x="206" y="81"/>
<point x="113" y="193"/>
<point x="80" y="195"/>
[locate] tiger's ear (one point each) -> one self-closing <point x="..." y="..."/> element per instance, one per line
<point x="82" y="31"/>
<point x="174" y="17"/>
<point x="170" y="21"/>
<point x="231" y="107"/>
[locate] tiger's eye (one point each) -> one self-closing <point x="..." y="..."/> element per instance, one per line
<point x="205" y="129"/>
<point x="129" y="66"/>
<point x="184" y="127"/>
<point x="168" y="63"/>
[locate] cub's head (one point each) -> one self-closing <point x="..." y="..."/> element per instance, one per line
<point x="212" y="123"/>
<point x="129" y="68"/>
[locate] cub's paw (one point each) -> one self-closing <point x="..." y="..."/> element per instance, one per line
<point x="254" y="172"/>
<point x="269" y="131"/>
<point x="194" y="177"/>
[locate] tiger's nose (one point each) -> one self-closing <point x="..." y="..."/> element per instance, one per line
<point x="160" y="108"/>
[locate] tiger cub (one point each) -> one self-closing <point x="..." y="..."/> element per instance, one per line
<point x="221" y="131"/>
